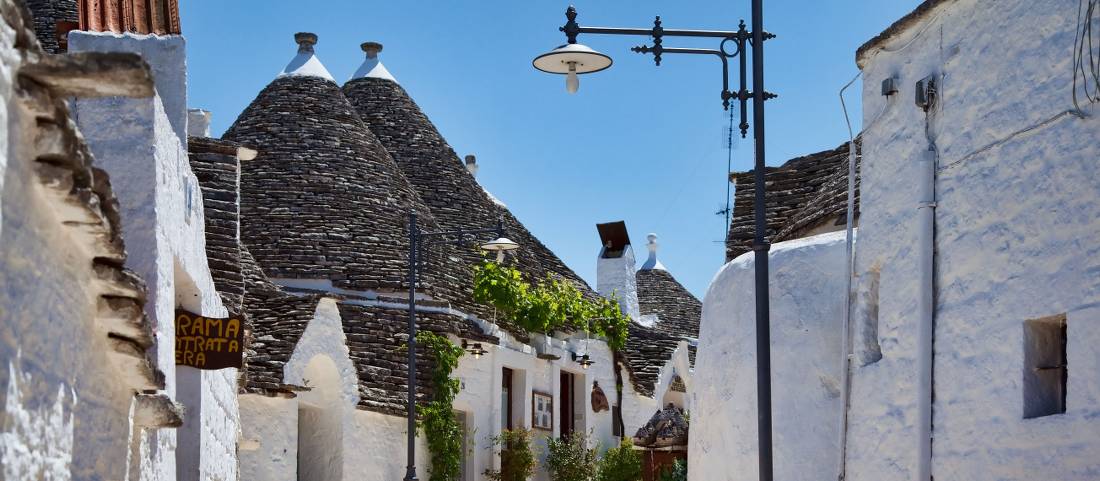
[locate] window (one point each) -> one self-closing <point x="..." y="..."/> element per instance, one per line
<point x="1045" y="366"/>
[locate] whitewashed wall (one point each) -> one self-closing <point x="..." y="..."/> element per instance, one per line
<point x="807" y="313"/>
<point x="139" y="143"/>
<point x="54" y="368"/>
<point x="1016" y="239"/>
<point x="268" y="444"/>
<point x="637" y="408"/>
<point x="616" y="277"/>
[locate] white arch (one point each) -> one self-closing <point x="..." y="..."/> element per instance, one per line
<point x="324" y="336"/>
<point x="679" y="364"/>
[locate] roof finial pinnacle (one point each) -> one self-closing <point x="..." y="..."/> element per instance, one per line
<point x="371" y="48"/>
<point x="652" y="262"/>
<point x="306" y="41"/>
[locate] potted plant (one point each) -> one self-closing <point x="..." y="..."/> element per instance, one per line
<point x="517" y="461"/>
<point x="570" y="458"/>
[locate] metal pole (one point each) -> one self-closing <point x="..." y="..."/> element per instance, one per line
<point x="760" y="248"/>
<point x="410" y="470"/>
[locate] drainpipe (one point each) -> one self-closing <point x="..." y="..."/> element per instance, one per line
<point x="926" y="209"/>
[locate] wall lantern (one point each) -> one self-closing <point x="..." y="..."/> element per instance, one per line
<point x="474" y="349"/>
<point x="583" y="360"/>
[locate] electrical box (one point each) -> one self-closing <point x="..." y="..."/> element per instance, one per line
<point x="889" y="86"/>
<point x="926" y="92"/>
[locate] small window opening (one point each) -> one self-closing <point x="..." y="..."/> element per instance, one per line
<point x="1045" y="366"/>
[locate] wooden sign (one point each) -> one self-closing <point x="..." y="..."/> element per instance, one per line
<point x="207" y="342"/>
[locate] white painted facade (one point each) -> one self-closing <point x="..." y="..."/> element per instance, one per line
<point x="372" y="444"/>
<point x="1015" y="240"/>
<point x="141" y="143"/>
<point x="807" y="315"/>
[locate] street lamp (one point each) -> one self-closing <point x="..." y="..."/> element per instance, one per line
<point x="574" y="59"/>
<point x="500" y="245"/>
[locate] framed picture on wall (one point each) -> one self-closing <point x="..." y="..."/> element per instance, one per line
<point x="542" y="411"/>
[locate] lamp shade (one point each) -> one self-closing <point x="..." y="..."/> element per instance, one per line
<point x="581" y="57"/>
<point x="500" y="244"/>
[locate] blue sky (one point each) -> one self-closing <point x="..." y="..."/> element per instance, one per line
<point x="638" y="143"/>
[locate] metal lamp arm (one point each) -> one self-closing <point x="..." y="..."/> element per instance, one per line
<point x="740" y="37"/>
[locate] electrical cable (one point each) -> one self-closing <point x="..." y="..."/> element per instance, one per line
<point x="1083" y="44"/>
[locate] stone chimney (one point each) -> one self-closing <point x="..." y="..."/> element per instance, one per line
<point x="198" y="123"/>
<point x="471" y="165"/>
<point x="615" y="268"/>
<point x="305" y="41"/>
<point x="372" y="67"/>
<point x="372" y="49"/>
<point x="652" y="262"/>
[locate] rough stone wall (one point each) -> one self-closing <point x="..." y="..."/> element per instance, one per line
<point x="807" y="318"/>
<point x="46" y="14"/>
<point x="1016" y="239"/>
<point x="218" y="171"/>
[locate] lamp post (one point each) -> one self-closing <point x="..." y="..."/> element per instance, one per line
<point x="574" y="59"/>
<point x="499" y="245"/>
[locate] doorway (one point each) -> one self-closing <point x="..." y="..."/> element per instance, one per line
<point x="567" y="404"/>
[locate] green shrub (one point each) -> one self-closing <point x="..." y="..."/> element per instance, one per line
<point x="570" y="458"/>
<point x="517" y="461"/>
<point x="679" y="472"/>
<point x="621" y="463"/>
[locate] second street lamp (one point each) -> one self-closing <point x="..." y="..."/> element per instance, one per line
<point x="574" y="59"/>
<point x="500" y="245"/>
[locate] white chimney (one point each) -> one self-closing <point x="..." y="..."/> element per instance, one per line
<point x="615" y="268"/>
<point x="471" y="165"/>
<point x="198" y="123"/>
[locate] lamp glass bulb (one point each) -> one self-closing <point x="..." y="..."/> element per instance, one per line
<point x="572" y="83"/>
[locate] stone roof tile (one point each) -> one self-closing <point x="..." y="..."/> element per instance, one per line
<point x="802" y="194"/>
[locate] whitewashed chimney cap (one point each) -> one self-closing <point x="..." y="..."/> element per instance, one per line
<point x="652" y="263"/>
<point x="372" y="67"/>
<point x="306" y="63"/>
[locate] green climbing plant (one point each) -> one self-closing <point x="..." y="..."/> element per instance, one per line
<point x="437" y="418"/>
<point x="551" y="304"/>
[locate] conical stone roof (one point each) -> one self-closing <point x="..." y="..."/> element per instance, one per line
<point x="451" y="193"/>
<point x="323" y="199"/>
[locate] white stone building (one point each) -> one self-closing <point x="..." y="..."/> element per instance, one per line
<point x="980" y="203"/>
<point x="92" y="389"/>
